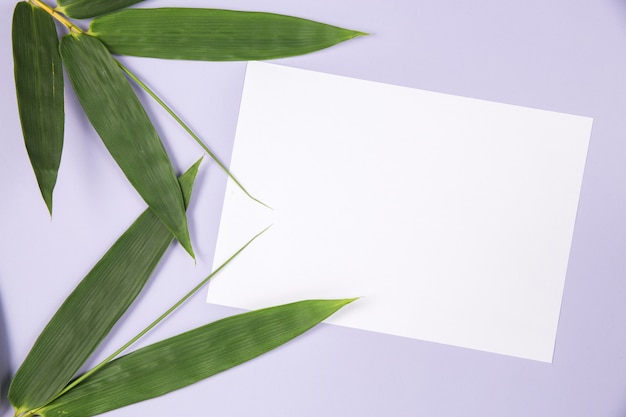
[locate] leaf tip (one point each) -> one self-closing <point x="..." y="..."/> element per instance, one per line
<point x="347" y="301"/>
<point x="337" y="304"/>
<point x="48" y="202"/>
<point x="186" y="244"/>
<point x="342" y="302"/>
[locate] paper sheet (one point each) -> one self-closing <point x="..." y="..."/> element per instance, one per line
<point x="451" y="217"/>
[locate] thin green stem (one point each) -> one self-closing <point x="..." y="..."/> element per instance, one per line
<point x="154" y="323"/>
<point x="189" y="131"/>
<point x="58" y="16"/>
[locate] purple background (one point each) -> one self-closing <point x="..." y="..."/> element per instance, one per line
<point x="566" y="56"/>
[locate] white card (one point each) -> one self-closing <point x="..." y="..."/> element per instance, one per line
<point x="451" y="217"/>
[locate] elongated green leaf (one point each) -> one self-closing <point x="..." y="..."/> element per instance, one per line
<point x="190" y="357"/>
<point x="123" y="125"/>
<point x="92" y="309"/>
<point x="199" y="141"/>
<point x="213" y="34"/>
<point x="39" y="87"/>
<point x="82" y="9"/>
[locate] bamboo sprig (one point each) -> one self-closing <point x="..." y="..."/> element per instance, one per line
<point x="142" y="333"/>
<point x="46" y="383"/>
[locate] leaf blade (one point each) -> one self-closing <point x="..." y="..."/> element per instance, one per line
<point x="213" y="34"/>
<point x="126" y="130"/>
<point x="83" y="9"/>
<point x="39" y="86"/>
<point x="190" y="357"/>
<point x="92" y="309"/>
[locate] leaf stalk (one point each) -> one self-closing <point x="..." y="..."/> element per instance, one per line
<point x="58" y="16"/>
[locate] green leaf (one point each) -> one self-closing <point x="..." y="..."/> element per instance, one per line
<point x="190" y="357"/>
<point x="191" y="133"/>
<point x="39" y="87"/>
<point x="123" y="125"/>
<point x="82" y="9"/>
<point x="212" y="34"/>
<point x="92" y="309"/>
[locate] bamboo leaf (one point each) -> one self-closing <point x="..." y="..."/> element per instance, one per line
<point x="190" y="357"/>
<point x="82" y="9"/>
<point x="92" y="309"/>
<point x="213" y="34"/>
<point x="123" y="125"/>
<point x="39" y="87"/>
<point x="191" y="133"/>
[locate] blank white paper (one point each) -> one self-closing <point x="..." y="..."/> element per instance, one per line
<point x="452" y="218"/>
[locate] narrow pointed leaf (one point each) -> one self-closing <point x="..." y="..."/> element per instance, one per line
<point x="190" y="357"/>
<point x="92" y="309"/>
<point x="191" y="133"/>
<point x="82" y="9"/>
<point x="123" y="125"/>
<point x="213" y="34"/>
<point x="39" y="87"/>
